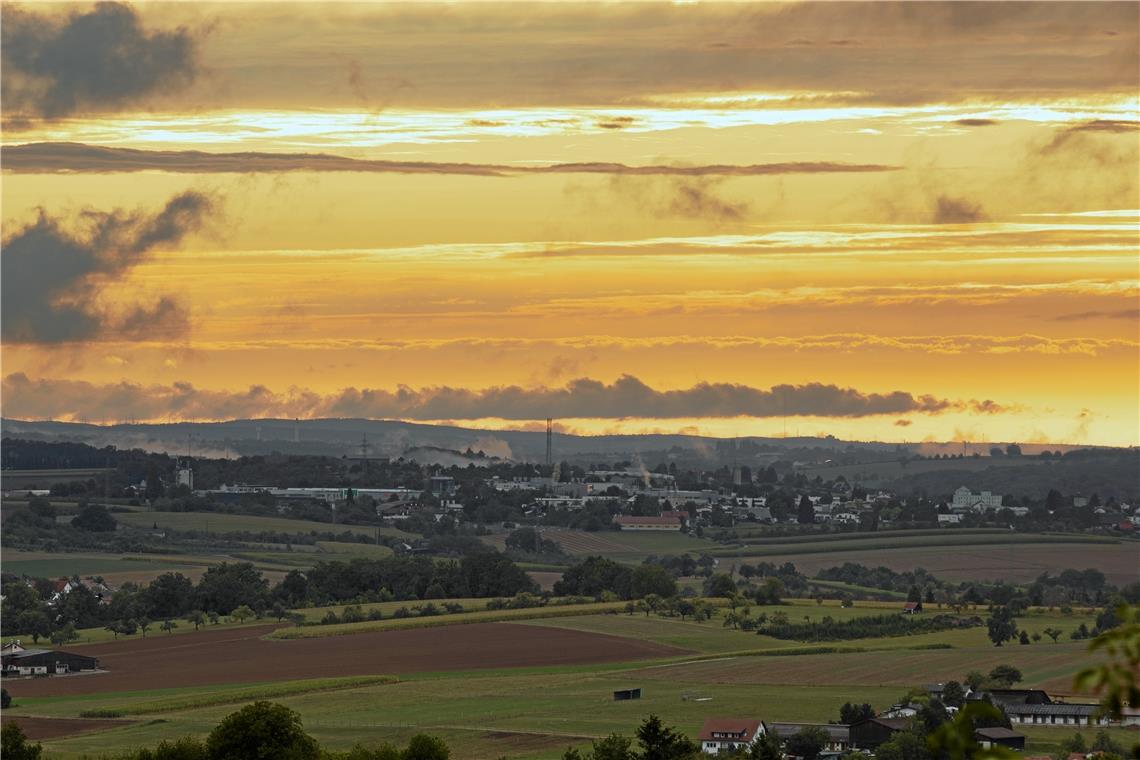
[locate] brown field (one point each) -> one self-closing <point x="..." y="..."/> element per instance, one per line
<point x="1049" y="666"/>
<point x="53" y="728"/>
<point x="242" y="656"/>
<point x="1018" y="563"/>
<point x="545" y="579"/>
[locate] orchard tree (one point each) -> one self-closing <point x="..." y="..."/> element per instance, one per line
<point x="1005" y="675"/>
<point x="1001" y="626"/>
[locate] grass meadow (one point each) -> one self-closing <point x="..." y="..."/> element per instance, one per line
<point x="538" y="712"/>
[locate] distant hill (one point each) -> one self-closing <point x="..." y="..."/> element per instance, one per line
<point x="393" y="438"/>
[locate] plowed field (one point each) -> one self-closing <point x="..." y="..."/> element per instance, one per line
<point x="242" y="656"/>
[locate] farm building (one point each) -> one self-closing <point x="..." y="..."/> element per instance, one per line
<point x="838" y="734"/>
<point x="37" y="662"/>
<point x="911" y="608"/>
<point x="633" y="522"/>
<point x="870" y="733"/>
<point x="999" y="737"/>
<point x="726" y="734"/>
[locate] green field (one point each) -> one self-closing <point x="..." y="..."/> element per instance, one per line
<point x="63" y="564"/>
<point x="537" y="712"/>
<point x="879" y="541"/>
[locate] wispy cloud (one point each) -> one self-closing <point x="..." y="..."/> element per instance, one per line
<point x="80" y="158"/>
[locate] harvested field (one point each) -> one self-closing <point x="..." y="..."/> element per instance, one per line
<point x="1015" y="562"/>
<point x="242" y="656"/>
<point x="53" y="728"/>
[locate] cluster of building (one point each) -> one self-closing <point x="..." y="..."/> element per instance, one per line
<point x="17" y="660"/>
<point x="1023" y="706"/>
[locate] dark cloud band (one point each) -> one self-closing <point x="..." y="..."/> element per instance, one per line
<point x="626" y="397"/>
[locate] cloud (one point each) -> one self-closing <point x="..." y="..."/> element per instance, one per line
<point x="626" y="397"/>
<point x="78" y="157"/>
<point x="903" y="423"/>
<point x="1087" y="315"/>
<point x="610" y="55"/>
<point x="976" y="122"/>
<point x="89" y="61"/>
<point x="52" y="277"/>
<point x="948" y="210"/>
<point x="698" y="200"/>
<point x="1112" y="126"/>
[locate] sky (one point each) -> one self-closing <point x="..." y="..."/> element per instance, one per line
<point x="901" y="222"/>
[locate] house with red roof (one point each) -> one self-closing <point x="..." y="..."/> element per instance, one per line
<point x="726" y="734"/>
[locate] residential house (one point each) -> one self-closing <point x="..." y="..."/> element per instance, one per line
<point x="726" y="734"/>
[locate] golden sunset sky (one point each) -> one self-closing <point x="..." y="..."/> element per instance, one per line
<point x="901" y="222"/>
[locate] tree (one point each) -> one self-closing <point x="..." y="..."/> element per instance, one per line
<point x="720" y="584"/>
<point x="14" y="745"/>
<point x="904" y="745"/>
<point x="1001" y="626"/>
<point x="424" y="747"/>
<point x="261" y="731"/>
<point x="196" y="618"/>
<point x="1023" y="638"/>
<point x="613" y="747"/>
<point x="953" y="695"/>
<point x="1005" y="675"/>
<point x="1116" y="680"/>
<point x="659" y="742"/>
<point x="35" y="623"/>
<point x="805" y="512"/>
<point x="61" y="636"/>
<point x="229" y="585"/>
<point x="974" y="679"/>
<point x="169" y="626"/>
<point x="144" y="624"/>
<point x="5" y="699"/>
<point x="808" y="743"/>
<point x="955" y="740"/>
<point x="767" y="747"/>
<point x="853" y="713"/>
<point x="651" y="578"/>
<point x="242" y="613"/>
<point x="1053" y="633"/>
<point x="94" y="518"/>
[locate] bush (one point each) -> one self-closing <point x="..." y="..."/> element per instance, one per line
<point x="14" y="745"/>
<point x="262" y="730"/>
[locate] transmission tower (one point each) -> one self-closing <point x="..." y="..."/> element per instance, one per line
<point x="550" y="443"/>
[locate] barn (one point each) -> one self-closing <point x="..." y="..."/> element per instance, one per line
<point x="871" y="732"/>
<point x="43" y="662"/>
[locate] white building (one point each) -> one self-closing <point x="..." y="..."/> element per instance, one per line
<point x="727" y="734"/>
<point x="964" y="498"/>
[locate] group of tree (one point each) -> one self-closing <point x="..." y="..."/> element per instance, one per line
<point x="870" y="626"/>
<point x="655" y="741"/>
<point x="598" y="576"/>
<point x="240" y="591"/>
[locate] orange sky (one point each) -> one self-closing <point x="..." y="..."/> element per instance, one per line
<point x="911" y="223"/>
